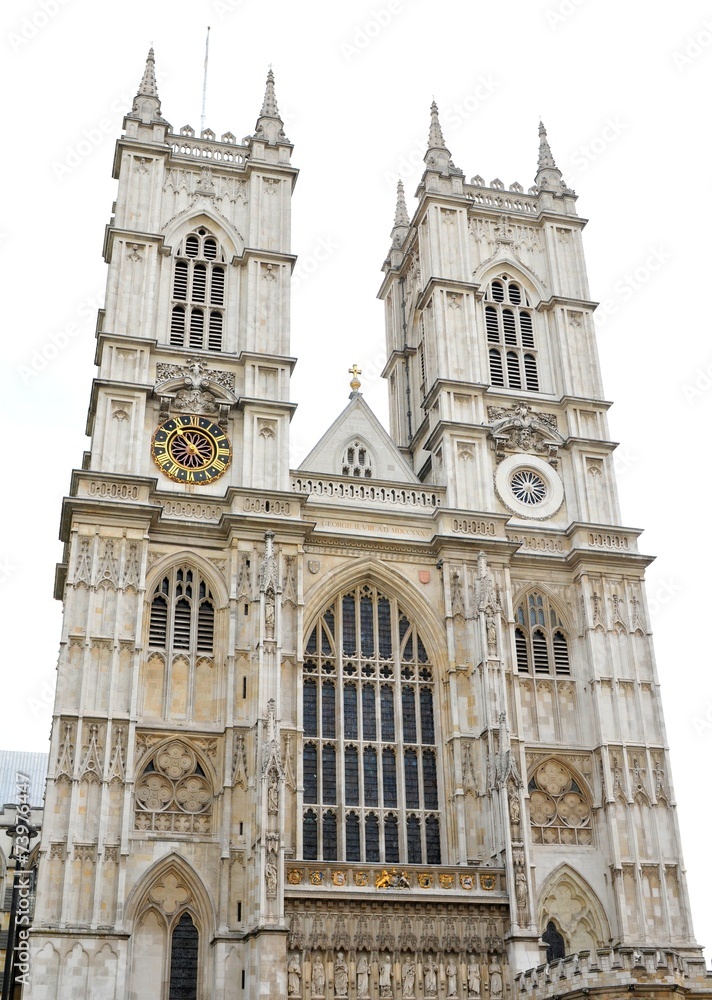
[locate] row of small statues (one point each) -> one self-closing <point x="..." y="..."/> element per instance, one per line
<point x="430" y="973"/>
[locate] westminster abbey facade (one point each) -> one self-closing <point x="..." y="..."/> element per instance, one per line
<point x="386" y="725"/>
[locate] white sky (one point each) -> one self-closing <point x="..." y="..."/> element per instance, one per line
<point x="620" y="87"/>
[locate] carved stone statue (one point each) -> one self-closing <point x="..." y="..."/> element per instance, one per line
<point x="430" y="978"/>
<point x="495" y="979"/>
<point x="555" y="944"/>
<point x="362" y="971"/>
<point x="318" y="977"/>
<point x="384" y="977"/>
<point x="520" y="889"/>
<point x="271" y="876"/>
<point x="294" y="977"/>
<point x="408" y="978"/>
<point x="473" y="979"/>
<point x="273" y="795"/>
<point x="341" y="976"/>
<point x="515" y="814"/>
<point x="451" y="974"/>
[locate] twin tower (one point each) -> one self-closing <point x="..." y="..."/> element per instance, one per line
<point x="386" y="725"/>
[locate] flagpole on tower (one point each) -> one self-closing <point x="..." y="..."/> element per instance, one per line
<point x="205" y="79"/>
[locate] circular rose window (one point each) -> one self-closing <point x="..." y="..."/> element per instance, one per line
<point x="529" y="486"/>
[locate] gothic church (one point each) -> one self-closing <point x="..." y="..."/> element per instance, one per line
<point x="386" y="726"/>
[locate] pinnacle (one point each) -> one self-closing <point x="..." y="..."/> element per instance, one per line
<point x="147" y="87"/>
<point x="401" y="218"/>
<point x="435" y="136"/>
<point x="269" y="104"/>
<point x="546" y="159"/>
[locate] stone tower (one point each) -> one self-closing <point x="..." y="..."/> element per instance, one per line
<point x="385" y="726"/>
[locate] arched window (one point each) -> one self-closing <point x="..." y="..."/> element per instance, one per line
<point x="558" y="808"/>
<point x="198" y="310"/>
<point x="356" y="460"/>
<point x="173" y="793"/>
<point x="370" y="759"/>
<point x="509" y="324"/>
<point x="182" y="613"/>
<point x="183" y="984"/>
<point x="541" y="643"/>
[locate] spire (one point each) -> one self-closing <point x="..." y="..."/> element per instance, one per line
<point x="269" y="124"/>
<point x="548" y="174"/>
<point x="401" y="218"/>
<point x="435" y="136"/>
<point x="147" y="105"/>
<point x="401" y="221"/>
<point x="437" y="155"/>
<point x="269" y="104"/>
<point x="148" y="86"/>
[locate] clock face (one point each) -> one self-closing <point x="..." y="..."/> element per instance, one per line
<point x="191" y="449"/>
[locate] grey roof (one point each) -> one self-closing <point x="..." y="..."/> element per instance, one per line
<point x="32" y="765"/>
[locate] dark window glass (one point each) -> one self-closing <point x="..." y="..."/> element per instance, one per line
<point x="390" y="790"/>
<point x="348" y="610"/>
<point x="157" y="631"/>
<point x="422" y="655"/>
<point x="325" y="643"/>
<point x="350" y="712"/>
<point x="328" y="833"/>
<point x="492" y="324"/>
<point x="373" y="852"/>
<point x="370" y="777"/>
<point x="427" y="727"/>
<point x="385" y="643"/>
<point x="415" y="851"/>
<point x="412" y="792"/>
<point x="367" y="636"/>
<point x="309" y="696"/>
<point x="217" y="287"/>
<point x="351" y="776"/>
<point x="328" y="709"/>
<point x="310" y="786"/>
<point x="432" y="840"/>
<point x="328" y="774"/>
<point x="561" y="654"/>
<point x="353" y="838"/>
<point x="403" y="626"/>
<point x="541" y="656"/>
<point x="430" y="780"/>
<point x="520" y="644"/>
<point x="388" y="728"/>
<point x="410" y="732"/>
<point x="368" y="707"/>
<point x="311" y="643"/>
<point x="498" y="291"/>
<point x="184" y="960"/>
<point x="309" y="835"/>
<point x="390" y="838"/>
<point x="181" y="624"/>
<point x="496" y="370"/>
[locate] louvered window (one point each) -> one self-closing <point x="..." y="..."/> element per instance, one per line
<point x="177" y="620"/>
<point x="199" y="280"/>
<point x="356" y="460"/>
<point x="509" y="321"/>
<point x="368" y="678"/>
<point x="540" y="641"/>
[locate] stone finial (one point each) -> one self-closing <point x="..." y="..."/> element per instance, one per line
<point x="269" y="104"/>
<point x="401" y="217"/>
<point x="435" y="136"/>
<point x="147" y="105"/>
<point x="148" y="86"/>
<point x="548" y="174"/>
<point x="269" y="127"/>
<point x="401" y="222"/>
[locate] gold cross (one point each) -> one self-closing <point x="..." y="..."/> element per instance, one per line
<point x="355" y="371"/>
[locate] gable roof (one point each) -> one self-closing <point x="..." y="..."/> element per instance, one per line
<point x="358" y="422"/>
